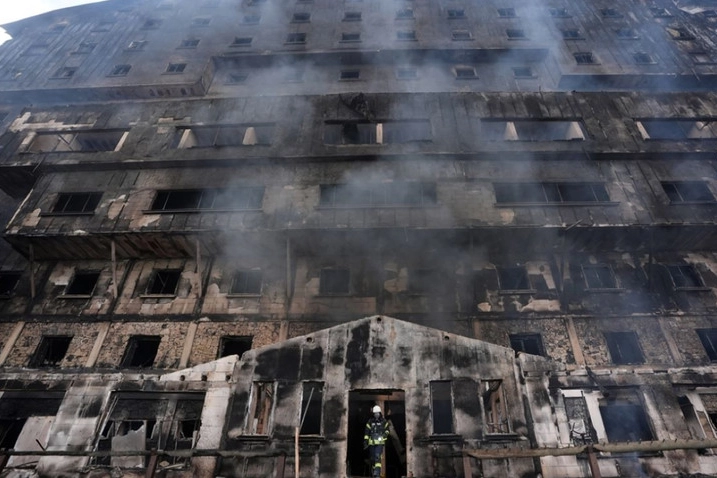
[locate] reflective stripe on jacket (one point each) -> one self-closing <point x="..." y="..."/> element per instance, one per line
<point x="376" y="432"/>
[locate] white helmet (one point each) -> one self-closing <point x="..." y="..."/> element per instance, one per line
<point x="376" y="409"/>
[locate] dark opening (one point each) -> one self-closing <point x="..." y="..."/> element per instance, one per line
<point x="688" y="191"/>
<point x="164" y="282"/>
<point x="625" y="422"/>
<point x="311" y="406"/>
<point x="624" y="347"/>
<point x="392" y="403"/>
<point x="528" y="343"/>
<point x="10" y="431"/>
<point x="234" y="345"/>
<point x="246" y="282"/>
<point x="8" y="281"/>
<point x="421" y="281"/>
<point x="83" y="283"/>
<point x="334" y="281"/>
<point x="599" y="276"/>
<point x="708" y="337"/>
<point x="441" y="408"/>
<point x="685" y="276"/>
<point x="50" y="351"/>
<point x="513" y="278"/>
<point x="76" y="202"/>
<point x="141" y="351"/>
<point x="350" y="75"/>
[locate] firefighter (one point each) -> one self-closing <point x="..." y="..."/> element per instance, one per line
<point x="374" y="439"/>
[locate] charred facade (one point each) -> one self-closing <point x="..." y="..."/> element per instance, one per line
<point x="235" y="226"/>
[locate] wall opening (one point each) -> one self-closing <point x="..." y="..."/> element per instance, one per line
<point x="393" y="403"/>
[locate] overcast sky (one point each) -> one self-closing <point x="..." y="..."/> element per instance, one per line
<point x="12" y="10"/>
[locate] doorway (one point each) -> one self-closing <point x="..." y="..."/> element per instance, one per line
<point x="393" y="403"/>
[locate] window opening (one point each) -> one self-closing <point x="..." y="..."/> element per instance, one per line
<point x="454" y="13"/>
<point x="528" y="343"/>
<point x="389" y="194"/>
<point x="301" y="17"/>
<point x="234" y="345"/>
<point x="334" y="281"/>
<point x="352" y="16"/>
<point x="442" y="408"/>
<point x="120" y="70"/>
<point x="83" y="283"/>
<point x="625" y="422"/>
<point x="688" y="192"/>
<point x="513" y="278"/>
<point x="584" y="58"/>
<point x="515" y="34"/>
<point x="685" y="276"/>
<point x="572" y="34"/>
<point x="407" y="35"/>
<point x="248" y="198"/>
<point x="311" y="405"/>
<point x="141" y="351"/>
<point x="406" y="73"/>
<point x="50" y="351"/>
<point x="599" y="276"/>
<point x="8" y="282"/>
<point x="82" y="141"/>
<point x="350" y="37"/>
<point x="176" y="67"/>
<point x="677" y="129"/>
<point x="349" y="74"/>
<point x="189" y="43"/>
<point x="262" y="405"/>
<point x="164" y="282"/>
<point x="624" y="348"/>
<point x="523" y="72"/>
<point x="550" y="193"/>
<point x="496" y="412"/>
<point x="260" y="134"/>
<point x="246" y="282"/>
<point x="506" y="12"/>
<point x="708" y="337"/>
<point x="461" y="35"/>
<point x="76" y="203"/>
<point x="295" y="38"/>
<point x="357" y="132"/>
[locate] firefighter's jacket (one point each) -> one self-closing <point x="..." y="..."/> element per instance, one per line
<point x="376" y="432"/>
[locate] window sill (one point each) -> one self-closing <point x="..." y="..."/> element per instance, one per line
<point x="243" y="296"/>
<point x="380" y="206"/>
<point x="556" y="204"/>
<point x="501" y="436"/>
<point x="91" y="213"/>
<point x="448" y="437"/>
<point x="335" y="295"/>
<point x="195" y="211"/>
<point x="605" y="290"/>
<point x="157" y="296"/>
<point x="262" y="438"/>
<point x="75" y="296"/>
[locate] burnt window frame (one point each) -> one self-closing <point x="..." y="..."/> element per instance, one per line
<point x="244" y="342"/>
<point x="518" y="341"/>
<point x="585" y="58"/>
<point x="238" y="135"/>
<point x="199" y="200"/>
<point x="64" y="204"/>
<point x="262" y="391"/>
<point x="163" y="288"/>
<point x="46" y="353"/>
<point x="624" y="348"/>
<point x="533" y="130"/>
<point x="685" y="277"/>
<point x="509" y="283"/>
<point x="603" y="273"/>
<point x="85" y="141"/>
<point x="631" y="419"/>
<point x="491" y="389"/>
<point x="134" y="343"/>
<point x="13" y="279"/>
<point x="440" y="408"/>
<point x="708" y="338"/>
<point x="246" y="282"/>
<point x="546" y="194"/>
<point x="378" y="132"/>
<point x="678" y="192"/>
<point x="626" y="33"/>
<point x="677" y="129"/>
<point x="81" y="275"/>
<point x="136" y="45"/>
<point x="310" y="418"/>
<point x="682" y="33"/>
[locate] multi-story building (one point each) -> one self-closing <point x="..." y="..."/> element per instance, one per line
<point x="233" y="227"/>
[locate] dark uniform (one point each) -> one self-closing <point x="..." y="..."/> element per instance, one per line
<point x="374" y="438"/>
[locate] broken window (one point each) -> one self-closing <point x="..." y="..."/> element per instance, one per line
<point x="311" y="404"/>
<point x="625" y="420"/>
<point x="8" y="282"/>
<point x="387" y="132"/>
<point x="685" y="276"/>
<point x="677" y="129"/>
<point x="295" y="38"/>
<point x="145" y="421"/>
<point x="513" y="279"/>
<point x="234" y="78"/>
<point x="120" y="70"/>
<point x="550" y="193"/>
<point x="334" y="281"/>
<point x="176" y="68"/>
<point x="528" y="343"/>
<point x="234" y="345"/>
<point x="506" y="12"/>
<point x="532" y="130"/>
<point x="83" y="283"/>
<point x="233" y="199"/>
<point x="50" y="351"/>
<point x="246" y="282"/>
<point x="141" y="351"/>
<point x="494" y="407"/>
<point x="163" y="282"/>
<point x="688" y="192"/>
<point x="442" y="407"/>
<point x="81" y="141"/>
<point x="76" y="203"/>
<point x="261" y="408"/>
<point x="222" y="136"/>
<point x="599" y="276"/>
<point x="581" y="427"/>
<point x="708" y="337"/>
<point x="25" y="422"/>
<point x="389" y="194"/>
<point x="584" y="58"/>
<point x="624" y="348"/>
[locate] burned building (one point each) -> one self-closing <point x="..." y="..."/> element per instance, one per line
<point x="232" y="227"/>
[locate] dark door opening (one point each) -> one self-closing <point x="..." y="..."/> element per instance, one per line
<point x="394" y="407"/>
